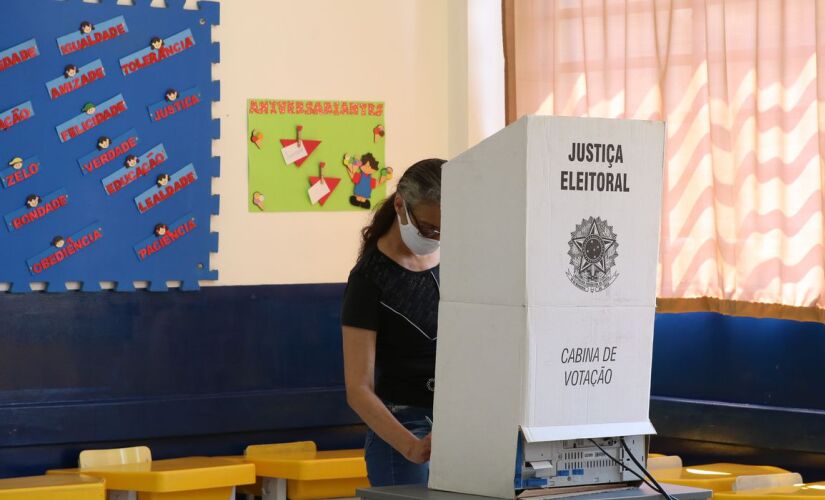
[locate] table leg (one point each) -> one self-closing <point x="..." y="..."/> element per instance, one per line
<point x="273" y="489"/>
<point x="121" y="495"/>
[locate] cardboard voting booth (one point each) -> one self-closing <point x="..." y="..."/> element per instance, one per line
<point x="549" y="255"/>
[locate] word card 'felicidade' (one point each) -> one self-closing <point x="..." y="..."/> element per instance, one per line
<point x="549" y="258"/>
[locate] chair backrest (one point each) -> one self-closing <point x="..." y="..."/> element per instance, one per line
<point x="282" y="449"/>
<point x="658" y="462"/>
<point x="90" y="459"/>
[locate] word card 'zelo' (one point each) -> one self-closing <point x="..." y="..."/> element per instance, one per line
<point x="164" y="236"/>
<point x="91" y="116"/>
<point x="124" y="98"/>
<point x="18" y="54"/>
<point x="88" y="35"/>
<point x="35" y="208"/>
<point x="108" y="150"/>
<point x="15" y="115"/>
<point x="63" y="249"/>
<point x="174" y="103"/>
<point x="166" y="187"/>
<point x="74" y="78"/>
<point x="134" y="167"/>
<point x="157" y="50"/>
<point x="19" y="171"/>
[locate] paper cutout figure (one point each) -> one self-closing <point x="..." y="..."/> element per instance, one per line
<point x="19" y="170"/>
<point x="360" y="172"/>
<point x="130" y="161"/>
<point x="174" y="102"/>
<point x="58" y="242"/>
<point x="90" y="35"/>
<point x="258" y="200"/>
<point x="164" y="236"/>
<point x="103" y="143"/>
<point x="162" y="180"/>
<point x="18" y="54"/>
<point x="159" y="49"/>
<point x="257" y="138"/>
<point x="294" y="153"/>
<point x="91" y="116"/>
<point x="297" y="150"/>
<point x="15" y="115"/>
<point x="32" y="200"/>
<point x="70" y="71"/>
<point x="319" y="188"/>
<point x="377" y="133"/>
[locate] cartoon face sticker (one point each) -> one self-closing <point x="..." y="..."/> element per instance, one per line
<point x="16" y="163"/>
<point x="89" y="108"/>
<point x="86" y="27"/>
<point x="163" y="179"/>
<point x="156" y="43"/>
<point x="131" y="161"/>
<point x="369" y="164"/>
<point x="161" y="229"/>
<point x="70" y="71"/>
<point x="103" y="143"/>
<point x="58" y="242"/>
<point x="171" y="95"/>
<point x="32" y="200"/>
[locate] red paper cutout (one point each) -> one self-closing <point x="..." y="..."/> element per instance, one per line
<point x="332" y="183"/>
<point x="308" y="145"/>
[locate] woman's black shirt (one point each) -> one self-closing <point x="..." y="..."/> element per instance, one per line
<point x="402" y="307"/>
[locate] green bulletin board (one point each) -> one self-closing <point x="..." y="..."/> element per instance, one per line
<point x="346" y="137"/>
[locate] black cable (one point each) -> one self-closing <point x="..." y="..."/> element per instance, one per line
<point x="628" y="469"/>
<point x="659" y="487"/>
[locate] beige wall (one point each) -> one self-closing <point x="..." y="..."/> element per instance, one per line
<point x="303" y="50"/>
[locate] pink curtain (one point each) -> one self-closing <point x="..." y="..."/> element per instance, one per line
<point x="741" y="84"/>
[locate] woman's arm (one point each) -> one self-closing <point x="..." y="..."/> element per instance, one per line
<point x="359" y="373"/>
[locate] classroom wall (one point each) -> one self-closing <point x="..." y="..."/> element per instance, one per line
<point x="363" y="50"/>
<point x="437" y="65"/>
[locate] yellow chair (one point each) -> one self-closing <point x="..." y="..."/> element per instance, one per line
<point x="658" y="462"/>
<point x="776" y="487"/>
<point x="68" y="487"/>
<point x="299" y="471"/>
<point x="715" y="477"/>
<point x="90" y="459"/>
<point x="130" y="473"/>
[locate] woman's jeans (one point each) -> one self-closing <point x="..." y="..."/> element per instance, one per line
<point x="388" y="467"/>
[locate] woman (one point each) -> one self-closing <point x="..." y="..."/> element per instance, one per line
<point x="389" y="321"/>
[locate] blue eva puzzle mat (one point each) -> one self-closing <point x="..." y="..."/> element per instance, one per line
<point x="106" y="136"/>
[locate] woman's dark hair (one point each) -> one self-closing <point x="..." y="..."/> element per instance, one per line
<point x="421" y="183"/>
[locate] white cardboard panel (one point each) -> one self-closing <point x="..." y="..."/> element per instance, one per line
<point x="509" y="222"/>
<point x="588" y="365"/>
<point x="562" y="433"/>
<point x="554" y="213"/>
<point x="483" y="259"/>
<point x="478" y="399"/>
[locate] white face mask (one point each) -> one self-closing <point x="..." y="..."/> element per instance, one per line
<point x="417" y="244"/>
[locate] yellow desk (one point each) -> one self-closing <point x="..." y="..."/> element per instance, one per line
<point x="714" y="477"/>
<point x="304" y="474"/>
<point x="809" y="491"/>
<point x="68" y="487"/>
<point x="201" y="478"/>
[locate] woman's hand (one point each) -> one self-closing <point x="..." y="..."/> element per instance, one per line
<point x="419" y="450"/>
